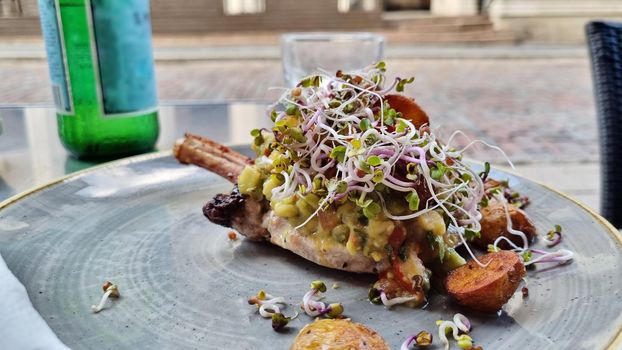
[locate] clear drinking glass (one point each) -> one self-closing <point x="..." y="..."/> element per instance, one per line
<point x="305" y="53"/>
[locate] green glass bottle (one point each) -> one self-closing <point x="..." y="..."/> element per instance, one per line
<point x="102" y="73"/>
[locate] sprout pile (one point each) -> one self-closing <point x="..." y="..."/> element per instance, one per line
<point x="338" y="138"/>
<point x="338" y="143"/>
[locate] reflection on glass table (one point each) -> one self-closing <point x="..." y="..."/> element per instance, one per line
<point x="31" y="153"/>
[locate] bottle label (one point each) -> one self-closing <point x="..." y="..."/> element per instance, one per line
<point x="51" y="26"/>
<point x="117" y="44"/>
<point x="124" y="61"/>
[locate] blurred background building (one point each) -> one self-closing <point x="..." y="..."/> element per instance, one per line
<point x="436" y="21"/>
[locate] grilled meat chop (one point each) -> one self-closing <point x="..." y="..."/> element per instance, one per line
<point x="254" y="219"/>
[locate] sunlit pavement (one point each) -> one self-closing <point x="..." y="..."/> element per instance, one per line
<point x="539" y="110"/>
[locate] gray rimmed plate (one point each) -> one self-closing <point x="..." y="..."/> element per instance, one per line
<point x="184" y="285"/>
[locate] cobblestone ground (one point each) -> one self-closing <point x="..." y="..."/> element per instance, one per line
<point x="537" y="110"/>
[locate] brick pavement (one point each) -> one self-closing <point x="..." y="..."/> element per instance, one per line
<point x="540" y="111"/>
<point x="537" y="110"/>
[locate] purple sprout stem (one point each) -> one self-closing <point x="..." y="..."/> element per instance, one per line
<point x="397" y="181"/>
<point x="406" y="344"/>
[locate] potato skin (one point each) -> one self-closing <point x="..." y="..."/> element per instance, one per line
<point x="338" y="334"/>
<point x="494" y="225"/>
<point x="486" y="289"/>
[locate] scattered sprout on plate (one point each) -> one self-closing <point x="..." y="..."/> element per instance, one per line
<point x="394" y="301"/>
<point x="420" y="340"/>
<point x="377" y="296"/>
<point x="462" y="322"/>
<point x="313" y="307"/>
<point x="560" y="256"/>
<point x="279" y="321"/>
<point x="267" y="304"/>
<point x="458" y="328"/>
<point x="268" y="307"/>
<point x="554" y="236"/>
<point x="464" y="341"/>
<point x="110" y="291"/>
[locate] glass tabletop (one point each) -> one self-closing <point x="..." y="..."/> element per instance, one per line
<point x="31" y="153"/>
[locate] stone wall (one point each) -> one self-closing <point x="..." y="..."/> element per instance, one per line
<point x="552" y="21"/>
<point x="208" y="16"/>
<point x="205" y="16"/>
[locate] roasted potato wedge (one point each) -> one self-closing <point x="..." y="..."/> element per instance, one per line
<point x="487" y="288"/>
<point x="494" y="225"/>
<point x="409" y="108"/>
<point x="336" y="334"/>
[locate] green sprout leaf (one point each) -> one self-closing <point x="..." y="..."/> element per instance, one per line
<point x="438" y="244"/>
<point x="319" y="286"/>
<point x="557" y="230"/>
<point x="401" y="125"/>
<point x="413" y="201"/>
<point x="484" y="174"/>
<point x="493" y="249"/>
<point x="365" y="167"/>
<point x="495" y="190"/>
<point x="365" y="124"/>
<point x="338" y="153"/>
<point x="313" y="80"/>
<point x="279" y="321"/>
<point x="382" y="66"/>
<point x="337" y="186"/>
<point x="466" y="177"/>
<point x="281" y="163"/>
<point x="412" y="171"/>
<point x="363" y="203"/>
<point x="437" y="172"/>
<point x="381" y="188"/>
<point x="335" y="310"/>
<point x="470" y="234"/>
<point x="402" y="82"/>
<point x="342" y="186"/>
<point x="378" y="176"/>
<point x="484" y="202"/>
<point x="356" y="143"/>
<point x="291" y="109"/>
<point x="334" y="103"/>
<point x="372" y="210"/>
<point x="389" y="116"/>
<point x="256" y="133"/>
<point x="374" y="296"/>
<point x="374" y="161"/>
<point x="295" y="134"/>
